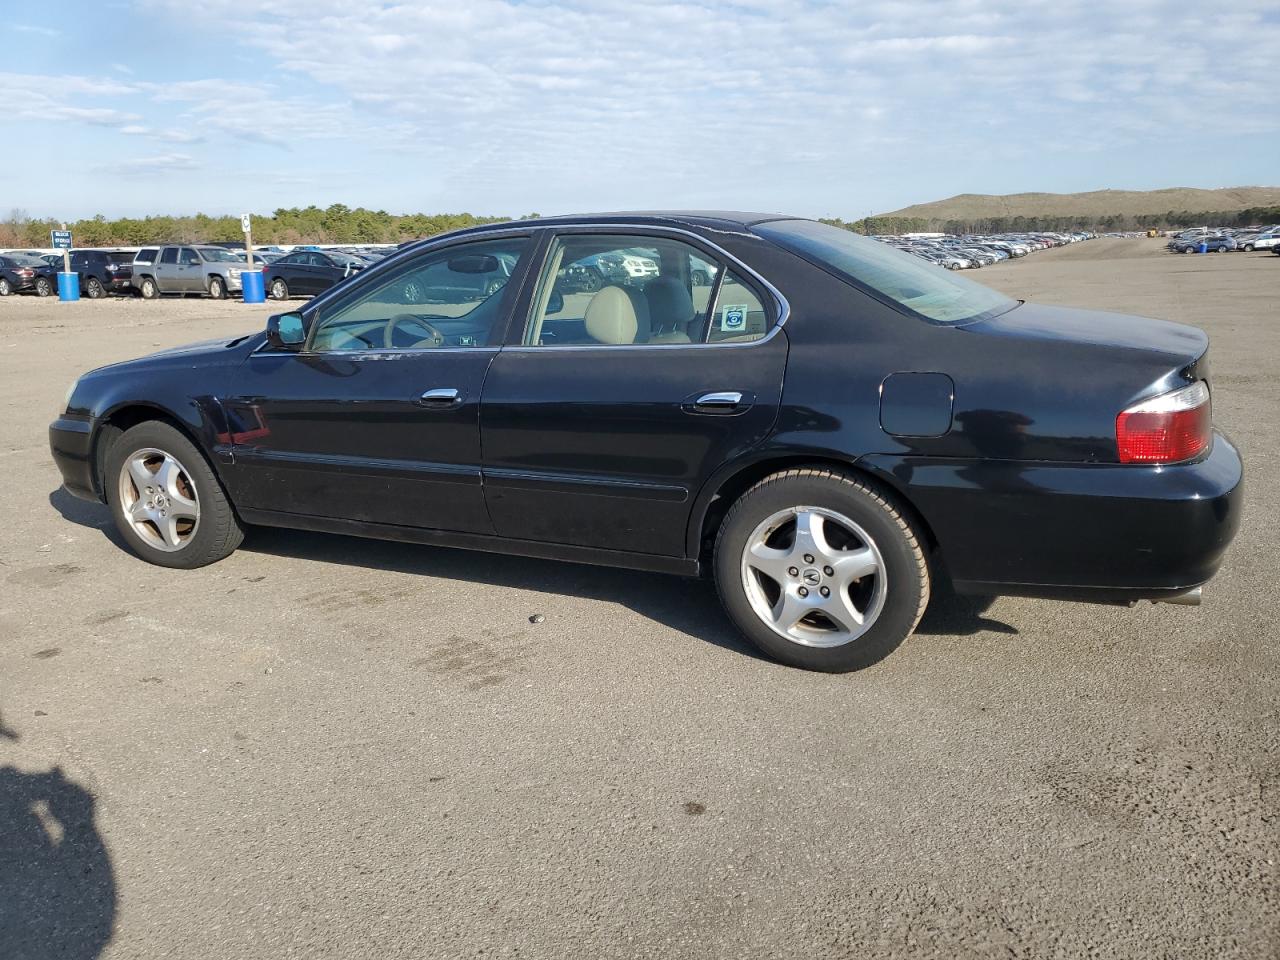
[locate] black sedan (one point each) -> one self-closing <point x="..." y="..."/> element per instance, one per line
<point x="305" y="273"/>
<point x="832" y="429"/>
<point x="20" y="273"/>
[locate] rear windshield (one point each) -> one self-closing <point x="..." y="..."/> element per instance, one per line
<point x="924" y="289"/>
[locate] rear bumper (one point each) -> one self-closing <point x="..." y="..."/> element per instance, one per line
<point x="1104" y="532"/>
<point x="71" y="443"/>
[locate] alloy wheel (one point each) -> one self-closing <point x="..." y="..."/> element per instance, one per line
<point x="158" y="499"/>
<point x="813" y="576"/>
<point x="5" y="287"/>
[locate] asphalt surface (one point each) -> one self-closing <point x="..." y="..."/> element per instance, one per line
<point x="327" y="747"/>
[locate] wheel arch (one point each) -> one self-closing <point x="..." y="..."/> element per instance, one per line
<point x="724" y="489"/>
<point x="129" y="414"/>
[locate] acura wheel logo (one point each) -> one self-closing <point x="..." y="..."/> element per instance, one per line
<point x="812" y="577"/>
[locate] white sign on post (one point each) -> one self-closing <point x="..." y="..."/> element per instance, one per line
<point x="244" y="223"/>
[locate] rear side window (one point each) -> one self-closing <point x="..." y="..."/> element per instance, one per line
<point x="739" y="315"/>
<point x="146" y="256"/>
<point x="923" y="289"/>
<point x="616" y="290"/>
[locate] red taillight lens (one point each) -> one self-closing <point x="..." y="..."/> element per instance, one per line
<point x="1166" y="429"/>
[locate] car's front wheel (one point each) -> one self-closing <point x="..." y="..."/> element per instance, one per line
<point x="217" y="288"/>
<point x="44" y="287"/>
<point x="1248" y="248"/>
<point x="165" y="499"/>
<point x="820" y="569"/>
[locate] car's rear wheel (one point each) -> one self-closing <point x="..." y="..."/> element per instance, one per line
<point x="93" y="289"/>
<point x="821" y="570"/>
<point x="1248" y="248"/>
<point x="44" y="288"/>
<point x="149" y="289"/>
<point x="1222" y="249"/>
<point x="1188" y="250"/>
<point x="6" y="287"/>
<point x="279" y="289"/>
<point x="217" y="288"/>
<point x="165" y="499"/>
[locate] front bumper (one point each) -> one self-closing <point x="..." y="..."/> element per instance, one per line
<point x="71" y="443"/>
<point x="1090" y="531"/>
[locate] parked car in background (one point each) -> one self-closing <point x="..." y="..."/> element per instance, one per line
<point x="189" y="269"/>
<point x="143" y="264"/>
<point x="1267" y="240"/>
<point x="831" y="431"/>
<point x="102" y="272"/>
<point x="260" y="257"/>
<point x="20" y="273"/>
<point x="1212" y="242"/>
<point x="305" y="273"/>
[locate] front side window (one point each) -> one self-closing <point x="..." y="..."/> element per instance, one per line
<point x="925" y="290"/>
<point x="620" y="290"/>
<point x="446" y="298"/>
<point x="170" y="255"/>
<point x="189" y="257"/>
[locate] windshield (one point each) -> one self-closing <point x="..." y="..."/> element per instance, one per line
<point x="927" y="290"/>
<point x="218" y="254"/>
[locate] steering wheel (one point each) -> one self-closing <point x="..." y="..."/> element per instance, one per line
<point x="436" y="338"/>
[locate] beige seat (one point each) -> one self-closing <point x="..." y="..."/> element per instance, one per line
<point x="617" y="315"/>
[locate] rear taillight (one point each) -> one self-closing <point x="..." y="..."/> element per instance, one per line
<point x="1166" y="429"/>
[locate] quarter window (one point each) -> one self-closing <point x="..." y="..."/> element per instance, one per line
<point x="620" y="290"/>
<point x="739" y="316"/>
<point x="447" y="298"/>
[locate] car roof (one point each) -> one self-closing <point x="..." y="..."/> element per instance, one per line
<point x="714" y="219"/>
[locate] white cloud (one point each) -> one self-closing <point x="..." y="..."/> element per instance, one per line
<point x="159" y="164"/>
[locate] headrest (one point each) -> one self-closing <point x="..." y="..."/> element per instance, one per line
<point x="670" y="305"/>
<point x="617" y="315"/>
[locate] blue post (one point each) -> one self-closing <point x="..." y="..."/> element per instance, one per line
<point x="252" y="285"/>
<point x="68" y="286"/>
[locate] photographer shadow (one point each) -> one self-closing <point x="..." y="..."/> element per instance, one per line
<point x="57" y="886"/>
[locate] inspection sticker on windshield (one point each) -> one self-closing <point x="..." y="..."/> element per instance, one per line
<point x="734" y="318"/>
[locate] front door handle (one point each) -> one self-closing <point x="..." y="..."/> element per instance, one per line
<point x="722" y="402"/>
<point x="441" y="397"/>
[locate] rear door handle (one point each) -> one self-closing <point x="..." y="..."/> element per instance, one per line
<point x="723" y="403"/>
<point x="441" y="397"/>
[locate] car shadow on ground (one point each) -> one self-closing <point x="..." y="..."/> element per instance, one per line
<point x="57" y="886"/>
<point x="688" y="606"/>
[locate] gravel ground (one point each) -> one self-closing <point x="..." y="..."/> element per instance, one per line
<point x="325" y="747"/>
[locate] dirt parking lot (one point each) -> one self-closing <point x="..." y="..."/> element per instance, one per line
<point x="325" y="747"/>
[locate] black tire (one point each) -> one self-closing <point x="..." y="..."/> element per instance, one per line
<point x="217" y="532"/>
<point x="149" y="289"/>
<point x="906" y="569"/>
<point x="6" y="288"/>
<point x="44" y="288"/>
<point x="93" y="289"/>
<point x="217" y="288"/>
<point x="1222" y="249"/>
<point x="279" y="289"/>
<point x="1248" y="248"/>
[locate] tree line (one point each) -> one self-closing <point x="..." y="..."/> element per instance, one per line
<point x="333" y="224"/>
<point x="341" y="224"/>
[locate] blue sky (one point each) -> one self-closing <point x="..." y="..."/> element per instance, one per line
<point x="514" y="106"/>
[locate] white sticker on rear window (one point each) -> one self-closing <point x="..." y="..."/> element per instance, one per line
<point x="734" y="318"/>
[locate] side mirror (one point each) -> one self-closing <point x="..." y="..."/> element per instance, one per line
<point x="285" y="331"/>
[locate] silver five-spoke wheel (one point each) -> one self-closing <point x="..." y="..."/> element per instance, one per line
<point x="814" y="576"/>
<point x="159" y="499"/>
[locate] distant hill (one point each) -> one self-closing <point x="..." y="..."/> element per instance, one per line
<point x="1092" y="206"/>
